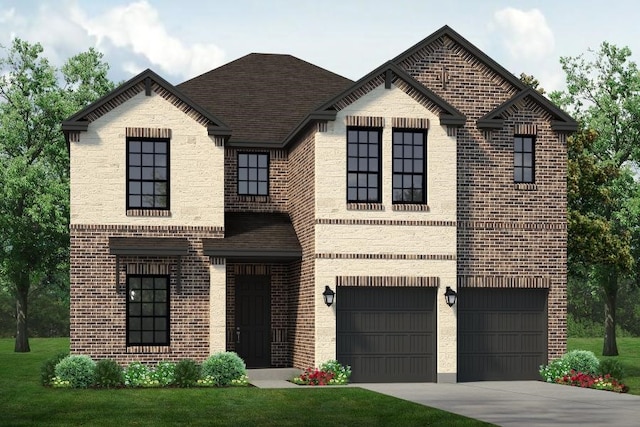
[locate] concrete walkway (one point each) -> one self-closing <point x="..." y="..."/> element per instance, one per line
<point x="522" y="403"/>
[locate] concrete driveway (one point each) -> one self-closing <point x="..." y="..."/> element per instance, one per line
<point x="522" y="403"/>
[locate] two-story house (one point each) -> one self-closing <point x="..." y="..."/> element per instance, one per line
<point x="219" y="213"/>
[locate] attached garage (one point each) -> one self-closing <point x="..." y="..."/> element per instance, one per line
<point x="502" y="333"/>
<point x="387" y="334"/>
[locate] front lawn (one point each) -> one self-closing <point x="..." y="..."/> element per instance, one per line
<point x="26" y="402"/>
<point x="629" y="357"/>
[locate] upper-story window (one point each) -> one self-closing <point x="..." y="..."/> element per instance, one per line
<point x="523" y="159"/>
<point x="253" y="174"/>
<point x="409" y="166"/>
<point x="147" y="174"/>
<point x="364" y="171"/>
<point x="147" y="310"/>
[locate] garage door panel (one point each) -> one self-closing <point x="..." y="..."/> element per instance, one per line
<point x="502" y="333"/>
<point x="387" y="334"/>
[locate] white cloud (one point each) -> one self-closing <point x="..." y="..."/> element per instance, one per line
<point x="526" y="34"/>
<point x="137" y="27"/>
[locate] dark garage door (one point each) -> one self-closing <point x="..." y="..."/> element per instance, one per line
<point x="387" y="334"/>
<point x="502" y="333"/>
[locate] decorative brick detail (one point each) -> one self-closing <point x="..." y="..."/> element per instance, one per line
<point x="115" y="102"/>
<point x="527" y="282"/>
<point x="520" y="186"/>
<point x="148" y="133"/>
<point x="388" y="281"/>
<point x="365" y="121"/>
<point x="409" y="123"/>
<point x="360" y="92"/>
<point x="410" y="208"/>
<point x="74" y="136"/>
<point x="399" y="222"/>
<point x="149" y="212"/>
<point x="429" y="257"/>
<point x="525" y="129"/>
<point x="365" y="207"/>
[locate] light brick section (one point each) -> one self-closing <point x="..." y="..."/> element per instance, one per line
<point x="217" y="308"/>
<point x="385" y="241"/>
<point x="196" y="167"/>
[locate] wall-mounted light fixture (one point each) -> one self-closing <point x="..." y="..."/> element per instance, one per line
<point x="328" y="296"/>
<point x="450" y="296"/>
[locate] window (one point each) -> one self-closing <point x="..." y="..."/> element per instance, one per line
<point x="147" y="310"/>
<point x="409" y="164"/>
<point x="523" y="159"/>
<point x="363" y="165"/>
<point x="253" y="174"/>
<point x="147" y="174"/>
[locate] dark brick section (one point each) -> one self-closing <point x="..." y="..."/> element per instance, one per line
<point x="486" y="191"/>
<point x="98" y="319"/>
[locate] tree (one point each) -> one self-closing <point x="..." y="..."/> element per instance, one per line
<point x="603" y="192"/>
<point x="34" y="166"/>
<point x="530" y="80"/>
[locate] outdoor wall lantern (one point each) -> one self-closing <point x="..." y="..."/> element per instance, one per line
<point x="328" y="296"/>
<point x="450" y="296"/>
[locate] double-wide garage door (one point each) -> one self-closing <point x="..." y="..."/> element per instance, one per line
<point x="502" y="333"/>
<point x="387" y="334"/>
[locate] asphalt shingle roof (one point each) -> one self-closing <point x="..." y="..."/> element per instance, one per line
<point x="262" y="97"/>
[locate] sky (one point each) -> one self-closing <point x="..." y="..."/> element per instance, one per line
<point x="180" y="39"/>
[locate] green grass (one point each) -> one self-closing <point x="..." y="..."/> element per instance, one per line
<point x="25" y="402"/>
<point x="628" y="356"/>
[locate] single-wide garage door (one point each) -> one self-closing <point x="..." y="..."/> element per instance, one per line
<point x="387" y="334"/>
<point x="502" y="333"/>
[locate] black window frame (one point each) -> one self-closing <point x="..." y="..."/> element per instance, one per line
<point x="399" y="166"/>
<point x="257" y="168"/>
<point x="355" y="160"/>
<point x="520" y="165"/>
<point x="139" y="314"/>
<point x="138" y="177"/>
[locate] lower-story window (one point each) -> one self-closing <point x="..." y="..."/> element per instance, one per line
<point x="147" y="310"/>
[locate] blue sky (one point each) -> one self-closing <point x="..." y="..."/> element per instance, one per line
<point x="181" y="39"/>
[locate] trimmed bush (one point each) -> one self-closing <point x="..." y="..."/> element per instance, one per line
<point x="48" y="368"/>
<point x="109" y="374"/>
<point x="187" y="373"/>
<point x="79" y="370"/>
<point x="139" y="375"/>
<point x="556" y="369"/>
<point x="611" y="367"/>
<point x="223" y="368"/>
<point x="165" y="373"/>
<point x="582" y="361"/>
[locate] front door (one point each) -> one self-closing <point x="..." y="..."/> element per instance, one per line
<point x="253" y="320"/>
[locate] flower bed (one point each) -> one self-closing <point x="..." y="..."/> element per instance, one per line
<point x="329" y="373"/>
<point x="599" y="382"/>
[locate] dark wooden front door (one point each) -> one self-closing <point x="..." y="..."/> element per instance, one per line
<point x="253" y="320"/>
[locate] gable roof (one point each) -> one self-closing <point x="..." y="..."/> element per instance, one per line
<point x="467" y="45"/>
<point x="562" y="123"/>
<point x="263" y="96"/>
<point x="143" y="82"/>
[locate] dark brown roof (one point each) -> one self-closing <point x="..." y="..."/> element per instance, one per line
<point x="168" y="246"/>
<point x="263" y="236"/>
<point x="262" y="97"/>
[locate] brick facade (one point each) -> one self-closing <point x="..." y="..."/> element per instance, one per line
<point x="504" y="230"/>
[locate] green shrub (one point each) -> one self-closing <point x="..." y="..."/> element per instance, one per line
<point x="187" y="373"/>
<point x="223" y="368"/>
<point x="555" y="369"/>
<point x="139" y="375"/>
<point x="611" y="367"/>
<point x="79" y="370"/>
<point x="341" y="373"/>
<point x="165" y="373"/>
<point x="108" y="374"/>
<point x="582" y="361"/>
<point x="48" y="368"/>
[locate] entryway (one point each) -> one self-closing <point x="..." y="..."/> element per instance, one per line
<point x="253" y="320"/>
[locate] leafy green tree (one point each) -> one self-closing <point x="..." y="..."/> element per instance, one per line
<point x="35" y="98"/>
<point x="603" y="193"/>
